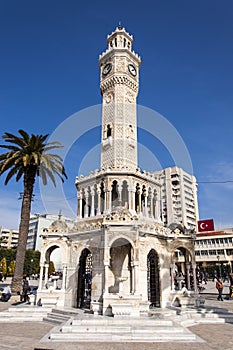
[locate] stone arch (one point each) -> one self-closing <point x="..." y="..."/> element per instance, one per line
<point x="121" y="257"/>
<point x="182" y="267"/>
<point x="84" y="279"/>
<point x="45" y="259"/>
<point x="153" y="279"/>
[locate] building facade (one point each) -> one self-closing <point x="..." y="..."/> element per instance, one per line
<point x="8" y="238"/>
<point x="178" y="197"/>
<point x="215" y="248"/>
<point x="119" y="257"/>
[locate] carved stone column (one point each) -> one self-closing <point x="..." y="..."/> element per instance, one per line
<point x="80" y="204"/>
<point x="41" y="277"/>
<point x="63" y="287"/>
<point x="194" y="266"/>
<point x="136" y="264"/>
<point x="99" y="202"/>
<point x="106" y="267"/>
<point x="133" y="278"/>
<point x="92" y="202"/>
<point x="172" y="269"/>
<point x="188" y="275"/>
<point x="46" y="275"/>
<point x="146" y="209"/>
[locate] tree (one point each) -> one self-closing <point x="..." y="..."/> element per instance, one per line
<point x="11" y="268"/>
<point x="27" y="158"/>
<point x="3" y="266"/>
<point x="51" y="268"/>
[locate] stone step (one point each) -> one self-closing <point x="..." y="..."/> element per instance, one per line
<point x="108" y="321"/>
<point x="124" y="337"/>
<point x="120" y="328"/>
<point x="24" y="314"/>
<point x="55" y="318"/>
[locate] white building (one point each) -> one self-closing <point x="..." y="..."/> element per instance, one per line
<point x="8" y="238"/>
<point x="38" y="224"/>
<point x="215" y="247"/>
<point x="178" y="197"/>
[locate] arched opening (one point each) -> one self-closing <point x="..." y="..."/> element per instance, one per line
<point x="115" y="195"/>
<point x="143" y="201"/>
<point x="83" y="203"/>
<point x="109" y="130"/>
<point x="182" y="273"/>
<point x="95" y="200"/>
<point x="137" y="199"/>
<point x="153" y="282"/>
<point x="84" y="279"/>
<point x="102" y="197"/>
<point x="120" y="277"/>
<point x="53" y="268"/>
<point x="125" y="194"/>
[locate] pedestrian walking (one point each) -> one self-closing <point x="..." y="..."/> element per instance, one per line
<point x="26" y="289"/>
<point x="219" y="287"/>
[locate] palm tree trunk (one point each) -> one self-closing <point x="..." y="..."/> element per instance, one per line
<point x="29" y="180"/>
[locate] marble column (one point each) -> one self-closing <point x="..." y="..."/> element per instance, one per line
<point x="99" y="202"/>
<point x="188" y="275"/>
<point x="46" y="275"/>
<point x="92" y="203"/>
<point x="80" y="204"/>
<point x="194" y="266"/>
<point x="63" y="287"/>
<point x="41" y="277"/>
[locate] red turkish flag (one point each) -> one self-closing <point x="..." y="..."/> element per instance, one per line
<point x="205" y="225"/>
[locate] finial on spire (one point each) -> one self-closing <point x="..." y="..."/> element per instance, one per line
<point x="119" y="25"/>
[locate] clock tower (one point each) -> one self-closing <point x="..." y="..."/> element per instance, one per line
<point x="119" y="70"/>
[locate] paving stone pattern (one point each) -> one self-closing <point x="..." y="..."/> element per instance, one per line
<point x="27" y="335"/>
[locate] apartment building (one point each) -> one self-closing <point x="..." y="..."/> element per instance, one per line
<point x="8" y="238"/>
<point x="178" y="197"/>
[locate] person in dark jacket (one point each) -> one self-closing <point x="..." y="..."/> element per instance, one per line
<point x="219" y="287"/>
<point x="25" y="289"/>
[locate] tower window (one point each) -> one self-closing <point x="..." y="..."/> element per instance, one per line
<point x="109" y="130"/>
<point x="124" y="42"/>
<point x="115" y="42"/>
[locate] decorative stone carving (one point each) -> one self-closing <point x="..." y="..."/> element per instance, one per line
<point x="120" y="214"/>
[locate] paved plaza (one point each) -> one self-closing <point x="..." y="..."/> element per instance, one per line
<point x="28" y="335"/>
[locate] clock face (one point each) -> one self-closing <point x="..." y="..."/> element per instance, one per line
<point x="107" y="68"/>
<point x="132" y="70"/>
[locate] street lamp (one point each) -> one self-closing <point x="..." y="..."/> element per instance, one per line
<point x="219" y="266"/>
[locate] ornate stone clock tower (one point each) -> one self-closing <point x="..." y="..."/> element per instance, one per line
<point x="118" y="257"/>
<point x="119" y="70"/>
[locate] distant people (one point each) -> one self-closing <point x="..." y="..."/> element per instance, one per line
<point x="26" y="290"/>
<point x="219" y="287"/>
<point x="6" y="294"/>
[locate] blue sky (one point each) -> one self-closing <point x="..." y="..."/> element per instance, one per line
<point x="49" y="71"/>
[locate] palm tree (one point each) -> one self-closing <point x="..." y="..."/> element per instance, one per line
<point x="27" y="157"/>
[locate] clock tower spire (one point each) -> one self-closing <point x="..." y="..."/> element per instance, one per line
<point x="119" y="70"/>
